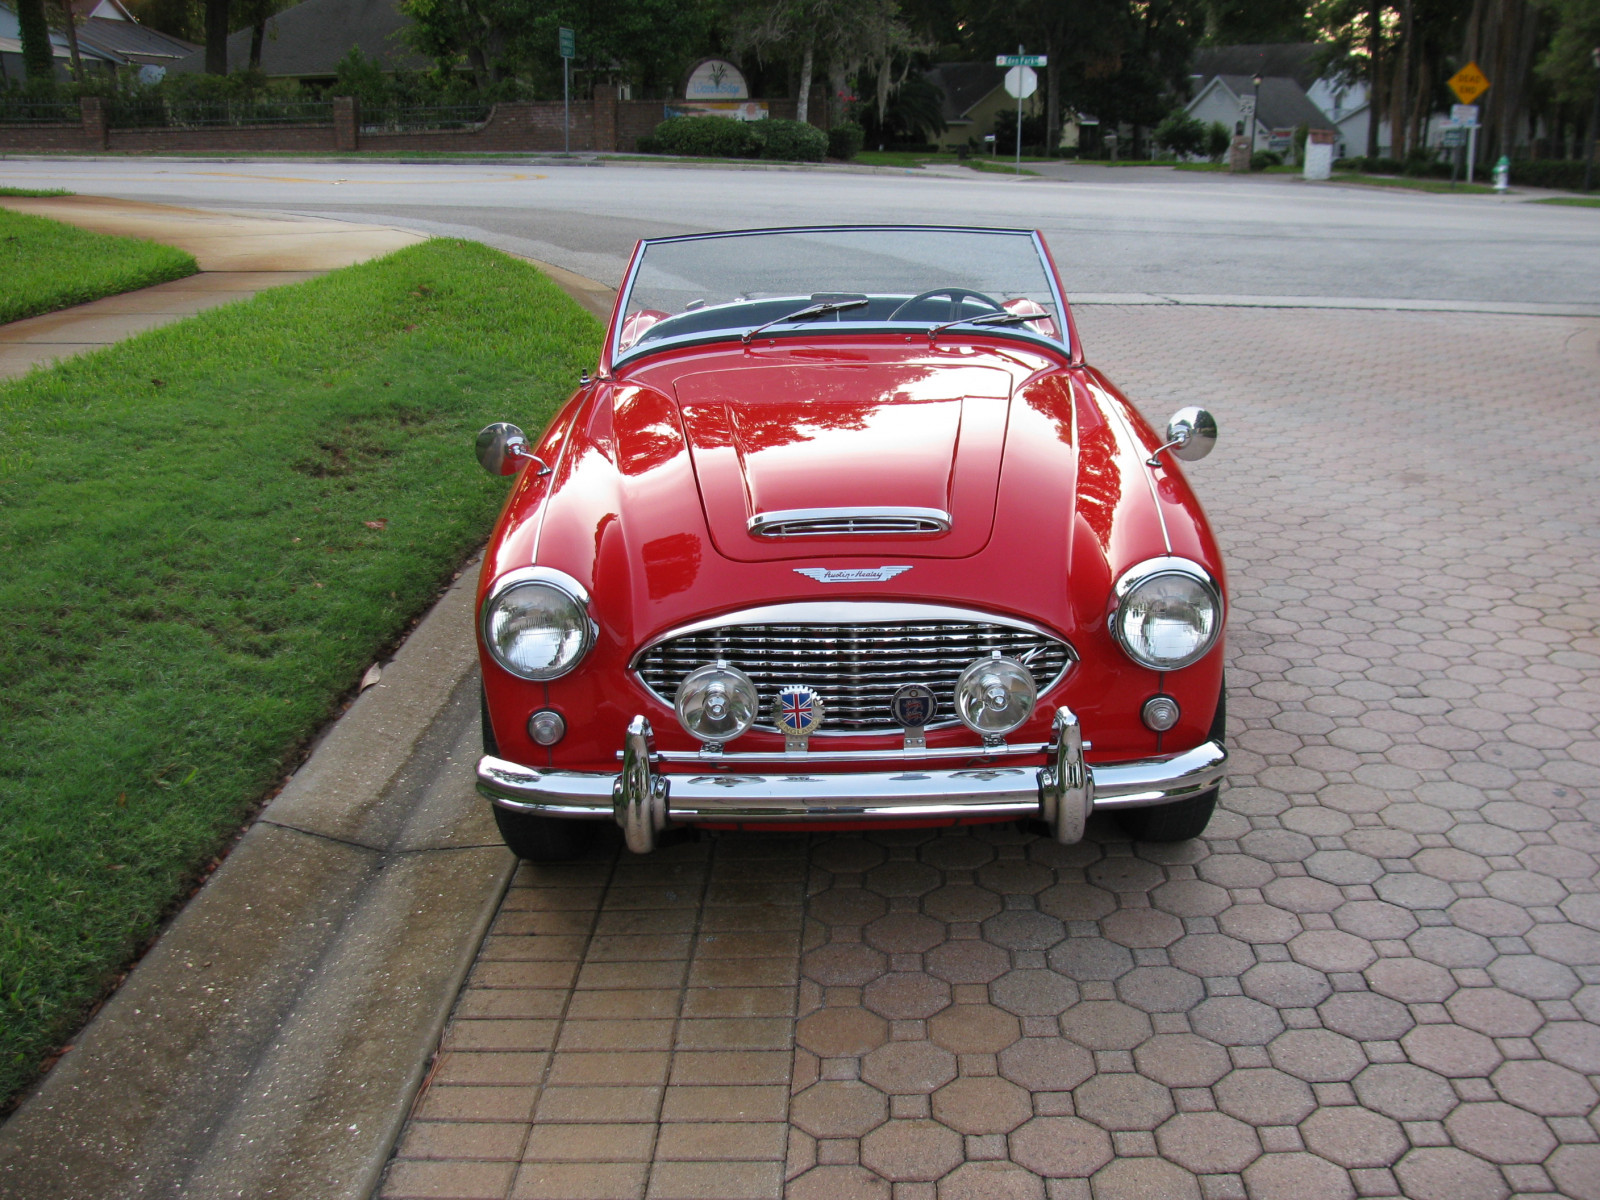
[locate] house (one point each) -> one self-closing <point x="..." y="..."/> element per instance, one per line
<point x="11" y="67"/>
<point x="109" y="37"/>
<point x="1342" y="102"/>
<point x="1281" y="105"/>
<point x="306" y="42"/>
<point x="974" y="93"/>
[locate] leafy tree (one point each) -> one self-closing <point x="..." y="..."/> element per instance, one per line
<point x="1181" y="133"/>
<point x="1249" y="22"/>
<point x="38" y="59"/>
<point x="1567" y="64"/>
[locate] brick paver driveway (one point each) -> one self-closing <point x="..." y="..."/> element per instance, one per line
<point x="1378" y="974"/>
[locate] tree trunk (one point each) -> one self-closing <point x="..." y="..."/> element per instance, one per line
<point x="38" y="61"/>
<point x="70" y="27"/>
<point x="1402" y="72"/>
<point x="216" y="37"/>
<point x="258" y="34"/>
<point x="1374" y="75"/>
<point x="1052" y="94"/>
<point x="808" y="62"/>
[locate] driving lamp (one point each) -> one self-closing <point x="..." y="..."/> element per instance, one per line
<point x="534" y="627"/>
<point x="547" y="727"/>
<point x="717" y="703"/>
<point x="994" y="696"/>
<point x="1168" y="614"/>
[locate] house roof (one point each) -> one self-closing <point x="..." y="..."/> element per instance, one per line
<point x="1287" y="60"/>
<point x="133" y="42"/>
<point x="963" y="85"/>
<point x="308" y="40"/>
<point x="1283" y="103"/>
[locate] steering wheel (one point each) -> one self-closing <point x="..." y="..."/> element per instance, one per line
<point x="956" y="294"/>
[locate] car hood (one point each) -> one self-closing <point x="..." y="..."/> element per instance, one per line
<point x="846" y="439"/>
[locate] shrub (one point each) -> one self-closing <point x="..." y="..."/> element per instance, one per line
<point x="1546" y="173"/>
<point x="845" y="141"/>
<point x="647" y="145"/>
<point x="1262" y="159"/>
<point x="1181" y="133"/>
<point x="709" y="137"/>
<point x="1218" y="139"/>
<point x="789" y="141"/>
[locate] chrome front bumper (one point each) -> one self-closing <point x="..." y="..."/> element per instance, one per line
<point x="643" y="801"/>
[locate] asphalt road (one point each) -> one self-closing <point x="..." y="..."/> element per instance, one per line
<point x="1115" y="234"/>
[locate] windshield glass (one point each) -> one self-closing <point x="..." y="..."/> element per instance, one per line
<point x="826" y="280"/>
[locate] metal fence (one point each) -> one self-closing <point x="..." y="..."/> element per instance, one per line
<point x="180" y="114"/>
<point x="408" y="119"/>
<point x="17" y="111"/>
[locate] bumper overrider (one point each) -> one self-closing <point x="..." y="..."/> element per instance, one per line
<point x="645" y="801"/>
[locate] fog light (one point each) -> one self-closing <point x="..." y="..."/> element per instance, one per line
<point x="717" y="703"/>
<point x="1160" y="713"/>
<point x="994" y="696"/>
<point x="547" y="727"/>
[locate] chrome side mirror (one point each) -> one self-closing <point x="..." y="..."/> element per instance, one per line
<point x="503" y="448"/>
<point x="1191" y="434"/>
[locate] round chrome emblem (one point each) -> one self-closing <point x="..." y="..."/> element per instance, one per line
<point x="797" y="711"/>
<point x="913" y="706"/>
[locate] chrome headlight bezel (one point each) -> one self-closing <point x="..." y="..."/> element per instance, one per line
<point x="1167" y="566"/>
<point x="550" y="580"/>
<point x="1012" y="679"/>
<point x="738" y="690"/>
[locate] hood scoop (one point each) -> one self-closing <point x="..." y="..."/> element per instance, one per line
<point x="800" y="460"/>
<point x="850" y="522"/>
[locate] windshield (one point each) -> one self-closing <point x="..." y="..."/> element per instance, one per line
<point x="770" y="282"/>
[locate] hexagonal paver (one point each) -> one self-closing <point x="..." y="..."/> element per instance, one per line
<point x="903" y="878"/>
<point x="1160" y="989"/>
<point x="1264" y="1096"/>
<point x="1405" y="1092"/>
<point x="1545" y="1088"/>
<point x="967" y="960"/>
<point x="1076" y="902"/>
<point x="991" y="1181"/>
<point x="1297" y="1176"/>
<point x="1142" y="928"/>
<point x="847" y="906"/>
<point x="843" y="964"/>
<point x="1060" y="1147"/>
<point x="1034" y="993"/>
<point x="1574" y="1044"/>
<point x="1123" y="1100"/>
<point x="834" y="1032"/>
<point x="912" y="1150"/>
<point x="838" y="1183"/>
<point x="1331" y="950"/>
<point x="1142" y="1179"/>
<point x="905" y="1068"/>
<point x="1365" y="1016"/>
<point x="1495" y="1012"/>
<point x="1286" y="985"/>
<point x="1208" y="1142"/>
<point x="956" y="853"/>
<point x="1236" y="1021"/>
<point x="1411" y="980"/>
<point x="842" y="1108"/>
<point x="1182" y="1060"/>
<point x="1091" y="958"/>
<point x="904" y="933"/>
<point x="974" y="1029"/>
<point x="1500" y="1133"/>
<point x="1576" y="1171"/>
<point x="1015" y="877"/>
<point x="1317" y="1055"/>
<point x="1451" y="1050"/>
<point x="1046" y="1064"/>
<point x="1445" y="1173"/>
<point x="981" y="1104"/>
<point x="1105" y="1025"/>
<point x="906" y="995"/>
<point x="961" y="902"/>
<point x="1023" y="929"/>
<point x="1354" y="1137"/>
<point x="1204" y="954"/>
<point x="1190" y="898"/>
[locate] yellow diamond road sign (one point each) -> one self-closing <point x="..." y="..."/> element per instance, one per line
<point x="1469" y="83"/>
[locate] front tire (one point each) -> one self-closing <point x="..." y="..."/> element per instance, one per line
<point x="543" y="839"/>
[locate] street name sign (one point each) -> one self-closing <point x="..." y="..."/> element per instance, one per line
<point x="567" y="42"/>
<point x="1463" y="115"/>
<point x="1468" y="83"/>
<point x="1020" y="60"/>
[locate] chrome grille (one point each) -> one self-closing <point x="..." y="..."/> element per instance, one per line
<point x="854" y="667"/>
<point x="845" y="522"/>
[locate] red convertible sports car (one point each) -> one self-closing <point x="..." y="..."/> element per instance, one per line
<point x="845" y="533"/>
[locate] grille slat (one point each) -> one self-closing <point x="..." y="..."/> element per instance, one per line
<point x="855" y="668"/>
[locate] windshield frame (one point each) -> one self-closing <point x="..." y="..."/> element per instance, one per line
<point x="614" y="354"/>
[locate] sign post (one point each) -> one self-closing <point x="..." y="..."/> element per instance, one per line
<point x="1468" y="84"/>
<point x="568" y="45"/>
<point x="1021" y="82"/>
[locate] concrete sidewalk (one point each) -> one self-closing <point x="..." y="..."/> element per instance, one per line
<point x="239" y="255"/>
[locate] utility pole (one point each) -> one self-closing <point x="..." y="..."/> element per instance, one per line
<point x="1255" y="113"/>
<point x="1594" y="120"/>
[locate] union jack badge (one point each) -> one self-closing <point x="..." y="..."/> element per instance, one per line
<point x="913" y="706"/>
<point x="798" y="711"/>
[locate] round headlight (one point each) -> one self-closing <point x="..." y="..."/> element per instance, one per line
<point x="717" y="703"/>
<point x="1168" y="614"/>
<point x="994" y="696"/>
<point x="535" y="628"/>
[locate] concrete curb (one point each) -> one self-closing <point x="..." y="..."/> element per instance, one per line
<point x="270" y="1045"/>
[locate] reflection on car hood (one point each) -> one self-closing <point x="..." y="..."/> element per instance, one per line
<point x="846" y="438"/>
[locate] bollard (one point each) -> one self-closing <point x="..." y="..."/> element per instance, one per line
<point x="1502" y="174"/>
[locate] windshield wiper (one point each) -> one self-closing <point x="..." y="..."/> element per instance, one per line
<point x="994" y="318"/>
<point x="811" y="310"/>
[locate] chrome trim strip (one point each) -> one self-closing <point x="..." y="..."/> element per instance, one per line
<point x="550" y="577"/>
<point x="1147" y="471"/>
<point x="840" y="522"/>
<point x="852" y="756"/>
<point x="1151" y="568"/>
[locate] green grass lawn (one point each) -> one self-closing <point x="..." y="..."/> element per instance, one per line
<point x="209" y="532"/>
<point x="45" y="265"/>
<point x="1572" y="201"/>
<point x="1443" y="186"/>
<point x="34" y="192"/>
